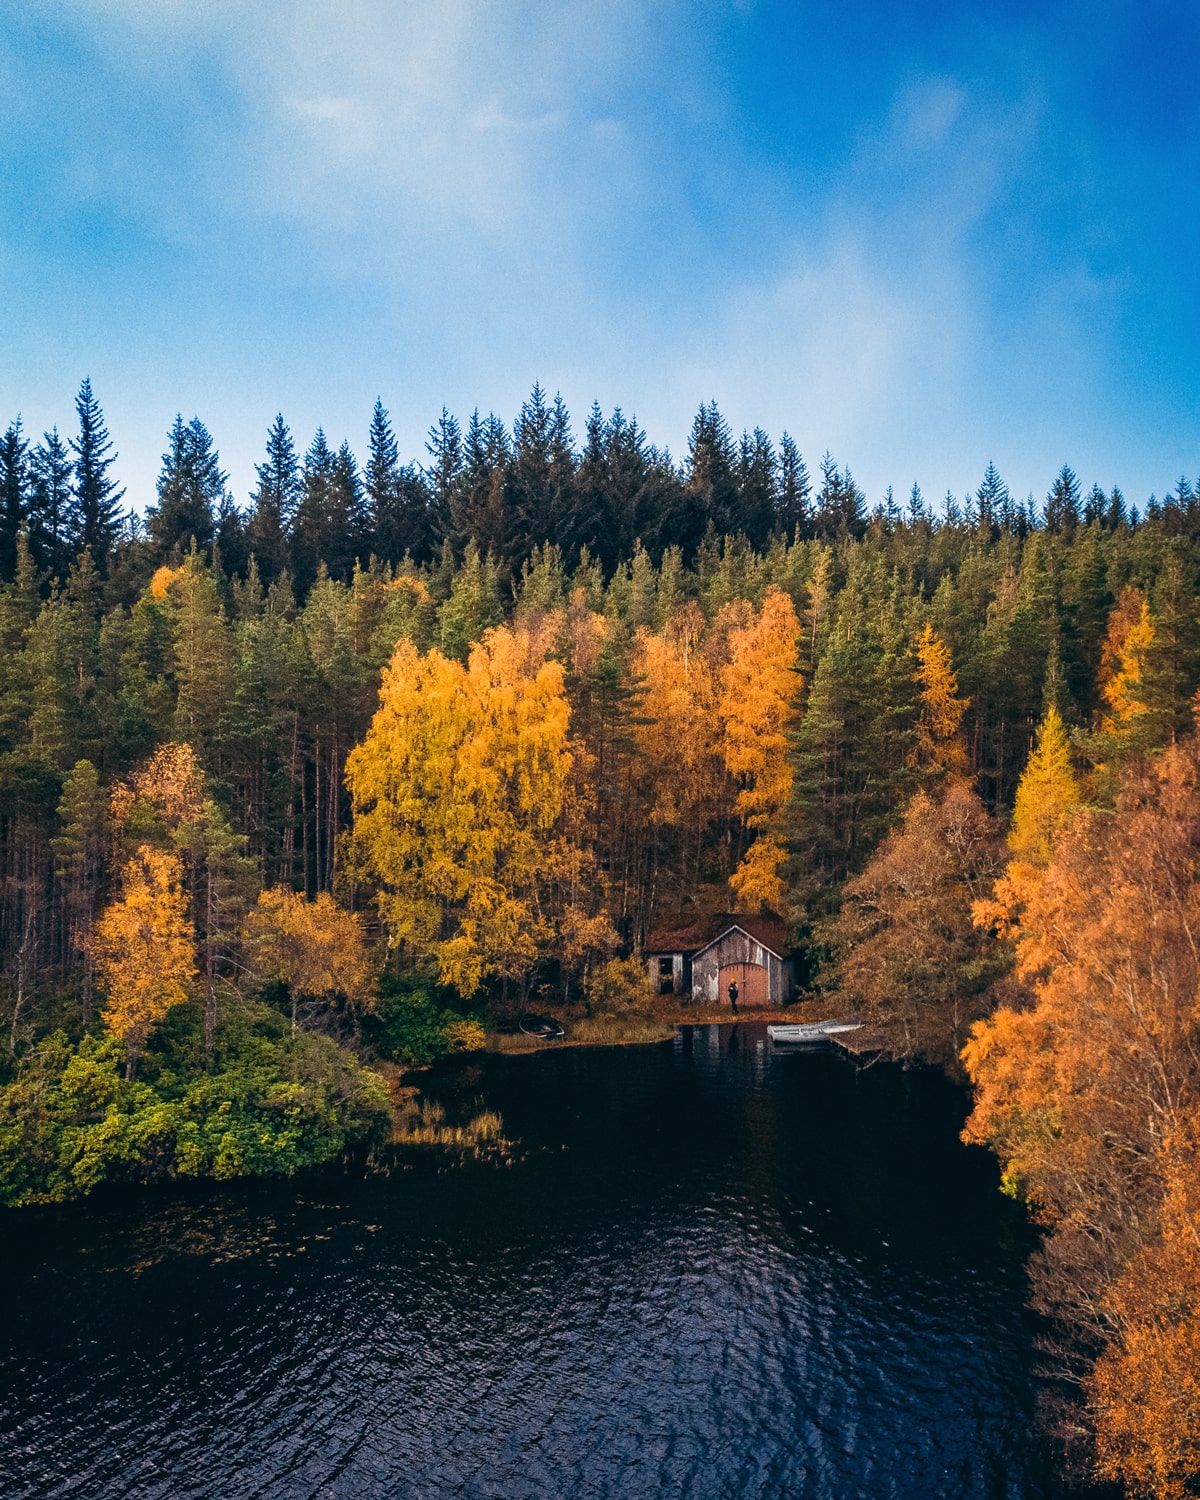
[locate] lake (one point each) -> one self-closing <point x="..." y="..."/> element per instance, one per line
<point x="710" y="1270"/>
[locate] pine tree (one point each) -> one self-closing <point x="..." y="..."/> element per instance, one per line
<point x="711" y="488"/>
<point x="482" y="500"/>
<point x="839" y="502"/>
<point x="97" y="497"/>
<point x="1062" y="503"/>
<point x="274" y="503"/>
<point x="757" y="476"/>
<point x="52" y="521"/>
<point x="794" y="493"/>
<point x="443" y="475"/>
<point x="328" y="517"/>
<point x="191" y="486"/>
<point x="995" y="503"/>
<point x="14" y="496"/>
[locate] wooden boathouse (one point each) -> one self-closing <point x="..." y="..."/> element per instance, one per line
<point x="705" y="959"/>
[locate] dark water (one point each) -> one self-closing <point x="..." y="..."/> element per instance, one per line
<point x="713" y="1272"/>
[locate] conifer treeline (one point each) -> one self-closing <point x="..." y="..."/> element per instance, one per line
<point x="263" y="648"/>
<point x="507" y="489"/>
<point x="272" y="687"/>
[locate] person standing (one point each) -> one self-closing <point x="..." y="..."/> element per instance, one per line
<point x="733" y="996"/>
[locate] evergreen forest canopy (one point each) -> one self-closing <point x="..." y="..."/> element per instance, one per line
<point x="400" y="749"/>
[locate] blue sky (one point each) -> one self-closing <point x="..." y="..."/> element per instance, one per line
<point x="922" y="236"/>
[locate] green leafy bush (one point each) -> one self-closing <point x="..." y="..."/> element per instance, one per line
<point x="272" y="1104"/>
<point x="417" y="1021"/>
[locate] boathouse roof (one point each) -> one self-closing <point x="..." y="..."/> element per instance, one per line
<point x="767" y="928"/>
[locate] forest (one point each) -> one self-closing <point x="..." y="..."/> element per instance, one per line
<point x="298" y="793"/>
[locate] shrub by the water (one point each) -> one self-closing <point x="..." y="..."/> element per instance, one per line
<point x="272" y="1104"/>
<point x="415" y="1022"/>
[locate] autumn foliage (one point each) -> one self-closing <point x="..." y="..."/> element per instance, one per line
<point x="316" y="948"/>
<point x="915" y="964"/>
<point x="939" y="723"/>
<point x="761" y="688"/>
<point x="458" y="788"/>
<point x="1090" y="1094"/>
<point x="144" y="948"/>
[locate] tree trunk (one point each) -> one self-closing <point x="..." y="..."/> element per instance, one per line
<point x="210" y="960"/>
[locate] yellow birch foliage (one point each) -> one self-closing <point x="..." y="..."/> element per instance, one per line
<point x="457" y="789"/>
<point x="173" y="781"/>
<point x="760" y="682"/>
<point x="678" y="736"/>
<point x="144" y="947"/>
<point x="316" y="947"/>
<point x="939" y="743"/>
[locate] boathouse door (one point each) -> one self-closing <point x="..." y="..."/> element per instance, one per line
<point x="753" y="982"/>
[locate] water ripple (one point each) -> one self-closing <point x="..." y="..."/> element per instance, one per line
<point x="744" y="1276"/>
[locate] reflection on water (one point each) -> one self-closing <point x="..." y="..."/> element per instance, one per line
<point x="713" y="1270"/>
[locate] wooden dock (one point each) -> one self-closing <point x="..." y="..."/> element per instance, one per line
<point x="848" y="1035"/>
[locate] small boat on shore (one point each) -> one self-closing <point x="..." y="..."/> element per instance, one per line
<point x="801" y="1034"/>
<point x="545" y="1028"/>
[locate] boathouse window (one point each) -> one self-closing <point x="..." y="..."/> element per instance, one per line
<point x="666" y="975"/>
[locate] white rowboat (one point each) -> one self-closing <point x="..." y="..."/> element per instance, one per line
<point x="815" y="1031"/>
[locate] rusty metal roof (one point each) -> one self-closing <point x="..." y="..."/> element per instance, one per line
<point x="767" y="928"/>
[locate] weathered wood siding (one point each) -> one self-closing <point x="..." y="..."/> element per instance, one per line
<point x="737" y="947"/>
<point x="662" y="982"/>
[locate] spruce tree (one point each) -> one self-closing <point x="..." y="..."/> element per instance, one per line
<point x="839" y="502"/>
<point x="482" y="502"/>
<point x="1062" y="503"/>
<point x="443" y="474"/>
<point x="51" y="510"/>
<point x="793" y="497"/>
<point x="589" y="524"/>
<point x="994" y="502"/>
<point x="757" y="475"/>
<point x="540" y="476"/>
<point x="97" y="497"/>
<point x="402" y="518"/>
<point x="14" y="496"/>
<point x="1115" y="515"/>
<point x="712" y="486"/>
<point x="274" y="503"/>
<point x="381" y="481"/>
<point x="1095" y="507"/>
<point x="191" y="487"/>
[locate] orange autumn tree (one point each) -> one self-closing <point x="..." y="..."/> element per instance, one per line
<point x="914" y="963"/>
<point x="760" y="684"/>
<point x="458" y="789"/>
<point x="1145" y="1389"/>
<point x="939" y="742"/>
<point x="1138" y="714"/>
<point x="144" y="949"/>
<point x="316" y="947"/>
<point x="1090" y="1095"/>
<point x="679" y="760"/>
